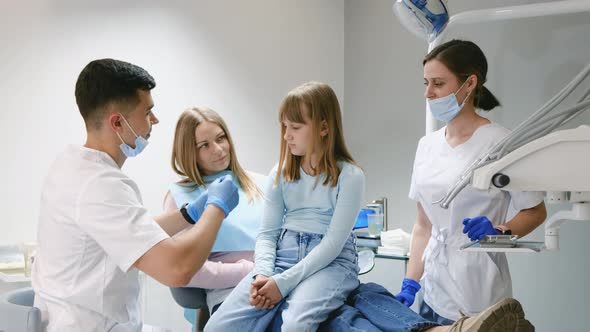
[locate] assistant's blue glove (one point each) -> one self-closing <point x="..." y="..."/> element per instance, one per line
<point x="196" y="208"/>
<point x="224" y="194"/>
<point x="477" y="228"/>
<point x="408" y="293"/>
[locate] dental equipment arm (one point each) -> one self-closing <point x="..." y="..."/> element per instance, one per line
<point x="557" y="163"/>
<point x="528" y="132"/>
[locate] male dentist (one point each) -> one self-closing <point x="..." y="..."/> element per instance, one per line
<point x="94" y="233"/>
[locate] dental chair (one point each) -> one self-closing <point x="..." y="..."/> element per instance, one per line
<point x="17" y="313"/>
<point x="193" y="298"/>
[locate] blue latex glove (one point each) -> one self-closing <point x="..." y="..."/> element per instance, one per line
<point x="223" y="193"/>
<point x="408" y="293"/>
<point x="477" y="228"/>
<point x="196" y="208"/>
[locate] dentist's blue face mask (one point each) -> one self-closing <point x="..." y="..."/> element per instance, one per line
<point x="446" y="108"/>
<point x="140" y="143"/>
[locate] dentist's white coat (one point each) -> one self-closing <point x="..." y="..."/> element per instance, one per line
<point x="92" y="228"/>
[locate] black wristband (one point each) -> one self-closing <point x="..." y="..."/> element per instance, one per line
<point x="185" y="214"/>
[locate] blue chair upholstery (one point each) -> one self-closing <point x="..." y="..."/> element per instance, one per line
<point x="17" y="313"/>
<point x="193" y="298"/>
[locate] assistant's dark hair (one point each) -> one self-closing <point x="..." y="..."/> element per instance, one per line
<point x="105" y="81"/>
<point x="464" y="58"/>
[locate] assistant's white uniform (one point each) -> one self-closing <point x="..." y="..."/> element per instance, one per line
<point x="92" y="229"/>
<point x="461" y="281"/>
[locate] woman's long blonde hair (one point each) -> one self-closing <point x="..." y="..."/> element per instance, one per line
<point x="320" y="103"/>
<point x="184" y="150"/>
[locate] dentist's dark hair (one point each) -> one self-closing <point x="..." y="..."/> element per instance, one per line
<point x="105" y="81"/>
<point x="464" y="58"/>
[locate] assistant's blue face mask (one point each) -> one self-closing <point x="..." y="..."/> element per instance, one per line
<point x="446" y="108"/>
<point x="140" y="143"/>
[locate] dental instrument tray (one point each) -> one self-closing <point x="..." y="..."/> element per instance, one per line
<point x="503" y="243"/>
<point x="499" y="241"/>
<point x="493" y="241"/>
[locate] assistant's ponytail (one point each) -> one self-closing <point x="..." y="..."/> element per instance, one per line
<point x="484" y="99"/>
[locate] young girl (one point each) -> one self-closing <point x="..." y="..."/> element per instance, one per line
<point x="203" y="151"/>
<point x="305" y="252"/>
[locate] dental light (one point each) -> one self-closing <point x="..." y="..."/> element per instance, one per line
<point x="424" y="18"/>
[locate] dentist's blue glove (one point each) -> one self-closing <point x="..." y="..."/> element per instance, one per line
<point x="196" y="208"/>
<point x="408" y="293"/>
<point x="224" y="194"/>
<point x="477" y="228"/>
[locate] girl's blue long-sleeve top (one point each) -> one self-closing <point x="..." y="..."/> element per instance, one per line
<point x="308" y="206"/>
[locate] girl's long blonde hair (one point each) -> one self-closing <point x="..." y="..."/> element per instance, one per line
<point x="184" y="150"/>
<point x="320" y="103"/>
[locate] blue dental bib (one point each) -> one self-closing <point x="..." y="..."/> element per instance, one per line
<point x="239" y="230"/>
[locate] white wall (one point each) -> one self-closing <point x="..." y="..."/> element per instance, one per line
<point x="238" y="57"/>
<point x="385" y="119"/>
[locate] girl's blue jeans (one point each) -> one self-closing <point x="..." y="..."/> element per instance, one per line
<point x="308" y="305"/>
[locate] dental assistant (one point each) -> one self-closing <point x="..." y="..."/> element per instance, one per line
<point x="460" y="282"/>
<point x="94" y="233"/>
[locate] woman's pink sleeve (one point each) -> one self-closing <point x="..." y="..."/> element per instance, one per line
<point x="221" y="275"/>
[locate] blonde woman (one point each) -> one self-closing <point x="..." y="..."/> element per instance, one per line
<point x="203" y="151"/>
